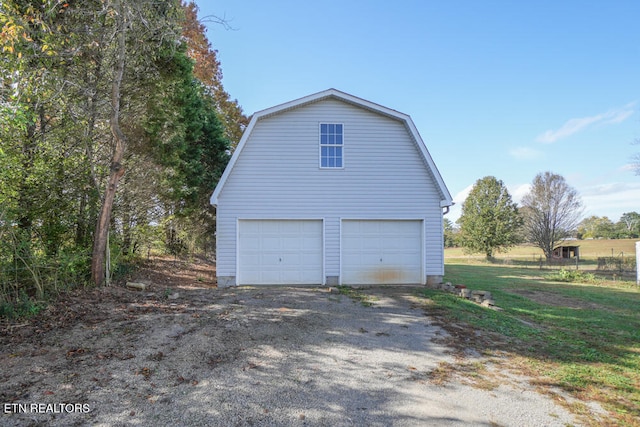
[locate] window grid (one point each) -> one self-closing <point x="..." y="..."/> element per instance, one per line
<point x="331" y="144"/>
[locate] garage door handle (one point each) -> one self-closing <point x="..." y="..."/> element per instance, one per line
<point x="280" y="259"/>
<point x="380" y="259"/>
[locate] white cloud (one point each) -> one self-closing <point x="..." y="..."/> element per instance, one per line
<point x="525" y="153"/>
<point x="630" y="167"/>
<point x="461" y="196"/>
<point x="611" y="199"/>
<point x="458" y="200"/>
<point x="611" y="188"/>
<point x="518" y="192"/>
<point x="572" y="126"/>
<point x="620" y="117"/>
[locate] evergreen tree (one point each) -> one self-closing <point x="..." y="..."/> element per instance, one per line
<point x="489" y="220"/>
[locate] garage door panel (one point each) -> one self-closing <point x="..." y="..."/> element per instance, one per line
<point x="349" y="243"/>
<point x="290" y="259"/>
<point x="252" y="244"/>
<point x="253" y="258"/>
<point x="309" y="244"/>
<point x="268" y="241"/>
<point x="290" y="243"/>
<point x="280" y="252"/>
<point x="371" y="241"/>
<point x="308" y="258"/>
<point x="266" y="277"/>
<point x="252" y="227"/>
<point x="381" y="252"/>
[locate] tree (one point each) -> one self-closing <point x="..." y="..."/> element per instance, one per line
<point x="595" y="227"/>
<point x="490" y="219"/>
<point x="552" y="211"/>
<point x="87" y="90"/>
<point x="628" y="226"/>
<point x="450" y="233"/>
<point x="207" y="69"/>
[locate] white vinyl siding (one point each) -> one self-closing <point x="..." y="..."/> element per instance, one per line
<point x="386" y="178"/>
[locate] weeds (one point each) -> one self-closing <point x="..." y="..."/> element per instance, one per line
<point x="22" y="307"/>
<point x="356" y="295"/>
<point x="564" y="275"/>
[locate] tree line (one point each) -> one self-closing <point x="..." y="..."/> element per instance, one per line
<point x="114" y="129"/>
<point x="549" y="213"/>
<point x="596" y="227"/>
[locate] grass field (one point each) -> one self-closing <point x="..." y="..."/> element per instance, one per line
<point x="528" y="256"/>
<point x="589" y="250"/>
<point x="581" y="337"/>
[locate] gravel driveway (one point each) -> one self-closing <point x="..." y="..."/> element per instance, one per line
<point x="259" y="356"/>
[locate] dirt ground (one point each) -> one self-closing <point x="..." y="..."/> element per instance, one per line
<point x="182" y="352"/>
<point x="554" y="299"/>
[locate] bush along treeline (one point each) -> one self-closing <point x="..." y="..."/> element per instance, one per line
<point x="595" y="227"/>
<point x="114" y="129"/>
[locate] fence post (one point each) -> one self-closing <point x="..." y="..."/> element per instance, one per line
<point x="638" y="263"/>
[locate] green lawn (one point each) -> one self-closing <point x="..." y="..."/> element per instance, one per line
<point x="582" y="337"/>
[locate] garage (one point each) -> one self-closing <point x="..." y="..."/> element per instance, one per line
<point x="275" y="252"/>
<point x="382" y="252"/>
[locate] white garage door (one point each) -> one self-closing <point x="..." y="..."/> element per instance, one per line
<point x="381" y="252"/>
<point x="279" y="252"/>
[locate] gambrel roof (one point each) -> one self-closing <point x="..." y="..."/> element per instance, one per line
<point x="445" y="196"/>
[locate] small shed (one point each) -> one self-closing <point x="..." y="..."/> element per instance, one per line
<point x="567" y="252"/>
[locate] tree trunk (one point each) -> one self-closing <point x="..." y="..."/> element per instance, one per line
<point x="100" y="238"/>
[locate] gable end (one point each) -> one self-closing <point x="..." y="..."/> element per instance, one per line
<point x="445" y="196"/>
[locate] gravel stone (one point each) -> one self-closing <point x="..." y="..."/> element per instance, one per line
<point x="276" y="356"/>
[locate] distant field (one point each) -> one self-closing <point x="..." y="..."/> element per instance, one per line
<point x="590" y="250"/>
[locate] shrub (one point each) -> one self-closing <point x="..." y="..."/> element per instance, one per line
<point x="564" y="275"/>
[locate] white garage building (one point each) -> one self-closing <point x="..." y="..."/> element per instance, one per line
<point x="330" y="189"/>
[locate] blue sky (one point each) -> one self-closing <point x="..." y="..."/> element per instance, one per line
<point x="502" y="88"/>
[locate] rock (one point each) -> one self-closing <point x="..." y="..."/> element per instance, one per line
<point x="465" y="293"/>
<point x="176" y="331"/>
<point x="488" y="303"/>
<point x="136" y="285"/>
<point x="175" y="295"/>
<point x="483" y="294"/>
<point x="449" y="287"/>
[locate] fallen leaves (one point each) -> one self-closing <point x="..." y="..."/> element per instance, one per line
<point x="145" y="372"/>
<point x="75" y="352"/>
